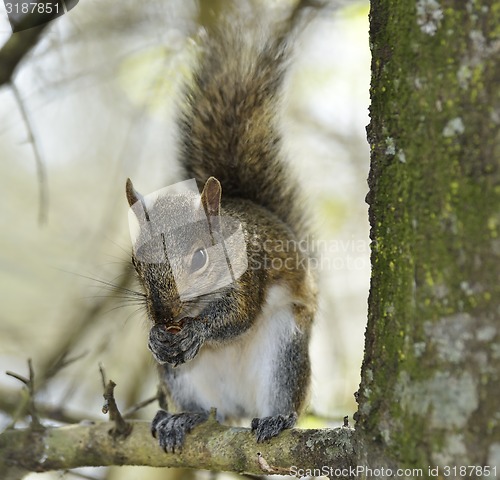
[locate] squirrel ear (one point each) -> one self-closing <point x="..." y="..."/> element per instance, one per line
<point x="211" y="195"/>
<point x="133" y="196"/>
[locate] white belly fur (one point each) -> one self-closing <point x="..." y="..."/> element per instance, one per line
<point x="238" y="379"/>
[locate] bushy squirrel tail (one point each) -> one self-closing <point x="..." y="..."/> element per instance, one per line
<point x="229" y="121"/>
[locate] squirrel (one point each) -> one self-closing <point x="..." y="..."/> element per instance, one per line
<point x="234" y="337"/>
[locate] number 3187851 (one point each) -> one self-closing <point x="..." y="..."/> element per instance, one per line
<point x="32" y="7"/>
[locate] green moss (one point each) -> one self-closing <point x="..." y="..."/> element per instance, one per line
<point x="434" y="215"/>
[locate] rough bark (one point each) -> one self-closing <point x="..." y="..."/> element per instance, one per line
<point x="430" y="378"/>
<point x="211" y="446"/>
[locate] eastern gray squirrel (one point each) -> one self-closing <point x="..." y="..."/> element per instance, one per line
<point x="242" y="346"/>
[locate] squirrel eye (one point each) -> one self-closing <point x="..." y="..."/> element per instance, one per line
<point x="198" y="260"/>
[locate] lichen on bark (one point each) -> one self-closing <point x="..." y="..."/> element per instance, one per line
<point x="431" y="366"/>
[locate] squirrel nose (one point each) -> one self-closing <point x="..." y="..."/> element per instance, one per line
<point x="166" y="313"/>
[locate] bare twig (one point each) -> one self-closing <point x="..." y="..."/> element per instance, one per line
<point x="129" y="412"/>
<point x="29" y="383"/>
<point x="122" y="428"/>
<point x="90" y="316"/>
<point x="17" y="377"/>
<point x="58" y="359"/>
<point x="43" y="194"/>
<point x="103" y="377"/>
<point x="11" y="399"/>
<point x="62" y="362"/>
<point x="24" y="406"/>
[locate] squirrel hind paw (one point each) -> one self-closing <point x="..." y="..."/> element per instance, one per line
<point x="269" y="427"/>
<point x="170" y="429"/>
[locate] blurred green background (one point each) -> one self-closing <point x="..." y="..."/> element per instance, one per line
<point x="99" y="92"/>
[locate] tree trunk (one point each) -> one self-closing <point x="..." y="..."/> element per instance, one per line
<point x="430" y="388"/>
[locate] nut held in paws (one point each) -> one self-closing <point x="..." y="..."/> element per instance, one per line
<point x="176" y="327"/>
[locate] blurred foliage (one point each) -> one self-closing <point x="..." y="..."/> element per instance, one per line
<point x="100" y="91"/>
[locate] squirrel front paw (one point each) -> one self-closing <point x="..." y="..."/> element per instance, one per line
<point x="174" y="348"/>
<point x="269" y="427"/>
<point x="171" y="429"/>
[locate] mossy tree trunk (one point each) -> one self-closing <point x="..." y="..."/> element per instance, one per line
<point x="430" y="390"/>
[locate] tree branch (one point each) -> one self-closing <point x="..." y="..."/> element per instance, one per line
<point x="19" y="44"/>
<point x="209" y="446"/>
<point x="43" y="194"/>
<point x="121" y="428"/>
<point x="12" y="400"/>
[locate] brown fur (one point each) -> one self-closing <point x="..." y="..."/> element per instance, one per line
<point x="231" y="144"/>
<point x="229" y="126"/>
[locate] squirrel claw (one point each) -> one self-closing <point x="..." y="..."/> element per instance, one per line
<point x="269" y="427"/>
<point x="171" y="429"/>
